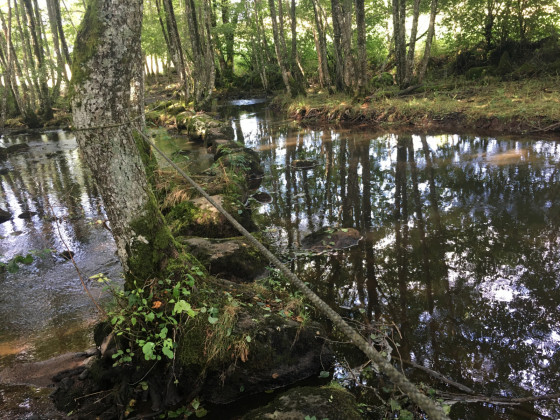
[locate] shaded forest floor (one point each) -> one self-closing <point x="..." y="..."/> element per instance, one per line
<point x="491" y="105"/>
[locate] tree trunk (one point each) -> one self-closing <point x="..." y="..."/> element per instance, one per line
<point x="429" y="38"/>
<point x="176" y="49"/>
<point x="399" y="19"/>
<point x="45" y="109"/>
<point x="412" y="44"/>
<point x="321" y="46"/>
<point x="361" y="67"/>
<point x="280" y="56"/>
<point x="105" y="56"/>
<point x="294" y="65"/>
<point x="337" y="19"/>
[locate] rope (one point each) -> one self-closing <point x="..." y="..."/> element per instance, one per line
<point x="425" y="403"/>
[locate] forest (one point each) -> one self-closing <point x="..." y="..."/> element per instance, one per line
<point x="339" y="46"/>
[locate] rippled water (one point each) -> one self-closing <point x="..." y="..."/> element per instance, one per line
<point x="460" y="248"/>
<point x="43" y="306"/>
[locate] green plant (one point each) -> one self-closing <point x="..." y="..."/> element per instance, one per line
<point x="150" y="317"/>
<point x="13" y="264"/>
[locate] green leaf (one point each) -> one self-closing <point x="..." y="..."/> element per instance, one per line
<point x="148" y="350"/>
<point x="183" y="306"/>
<point x="446" y="409"/>
<point x="324" y="374"/>
<point x="168" y="352"/>
<point x="212" y="320"/>
<point x="150" y="317"/>
<point x="248" y="339"/>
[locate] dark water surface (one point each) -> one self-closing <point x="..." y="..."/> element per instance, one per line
<point x="460" y="248"/>
<point x="43" y="307"/>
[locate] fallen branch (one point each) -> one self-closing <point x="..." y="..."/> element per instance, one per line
<point x="495" y="400"/>
<point x="440" y="377"/>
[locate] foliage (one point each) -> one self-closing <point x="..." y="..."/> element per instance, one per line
<point x="13" y="264"/>
<point x="149" y="318"/>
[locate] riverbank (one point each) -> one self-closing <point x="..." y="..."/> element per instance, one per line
<point x="490" y="105"/>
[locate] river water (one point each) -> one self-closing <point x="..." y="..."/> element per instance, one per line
<point x="459" y="258"/>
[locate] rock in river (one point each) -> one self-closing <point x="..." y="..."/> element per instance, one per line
<point x="327" y="239"/>
<point x="4" y="216"/>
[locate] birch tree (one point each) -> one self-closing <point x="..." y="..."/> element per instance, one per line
<point x="106" y="53"/>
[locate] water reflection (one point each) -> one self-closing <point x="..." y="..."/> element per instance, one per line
<point x="43" y="307"/>
<point x="460" y="250"/>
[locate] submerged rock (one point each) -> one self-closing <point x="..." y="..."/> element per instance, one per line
<point x="5" y="216"/>
<point x="327" y="239"/>
<point x="304" y="164"/>
<point x="232" y="259"/>
<point x="262" y="197"/>
<point x="14" y="148"/>
<point x="27" y="215"/>
<point x="328" y="402"/>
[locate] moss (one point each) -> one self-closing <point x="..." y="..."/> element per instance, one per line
<point x="87" y="42"/>
<point x="302" y="402"/>
<point x="149" y="256"/>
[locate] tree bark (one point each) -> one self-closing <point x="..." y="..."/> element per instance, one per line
<point x="321" y="46"/>
<point x="429" y="38"/>
<point x="176" y="49"/>
<point x="278" y="48"/>
<point x="412" y="44"/>
<point x="105" y="55"/>
<point x="361" y="67"/>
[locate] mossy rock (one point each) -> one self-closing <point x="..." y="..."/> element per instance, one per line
<point x="281" y="352"/>
<point x="476" y="73"/>
<point x="505" y="66"/>
<point x="198" y="217"/>
<point x="240" y="160"/>
<point x="327" y="402"/>
<point x="203" y="127"/>
<point x="233" y="259"/>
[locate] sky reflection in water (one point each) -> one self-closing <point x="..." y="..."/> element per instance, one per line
<point x="461" y="244"/>
<point x="43" y="307"/>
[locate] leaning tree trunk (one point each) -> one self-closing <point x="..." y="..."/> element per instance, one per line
<point x="106" y="50"/>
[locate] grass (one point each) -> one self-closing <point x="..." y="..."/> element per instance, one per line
<point x="524" y="105"/>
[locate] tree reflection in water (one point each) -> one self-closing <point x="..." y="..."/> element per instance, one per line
<point x="460" y="249"/>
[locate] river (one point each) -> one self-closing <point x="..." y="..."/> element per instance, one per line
<point x="459" y="260"/>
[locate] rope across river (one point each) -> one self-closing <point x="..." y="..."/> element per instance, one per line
<point x="429" y="406"/>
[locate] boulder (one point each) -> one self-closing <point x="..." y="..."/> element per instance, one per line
<point x="282" y="352"/>
<point x="198" y="217"/>
<point x="203" y="127"/>
<point x="328" y="402"/>
<point x="233" y="259"/>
